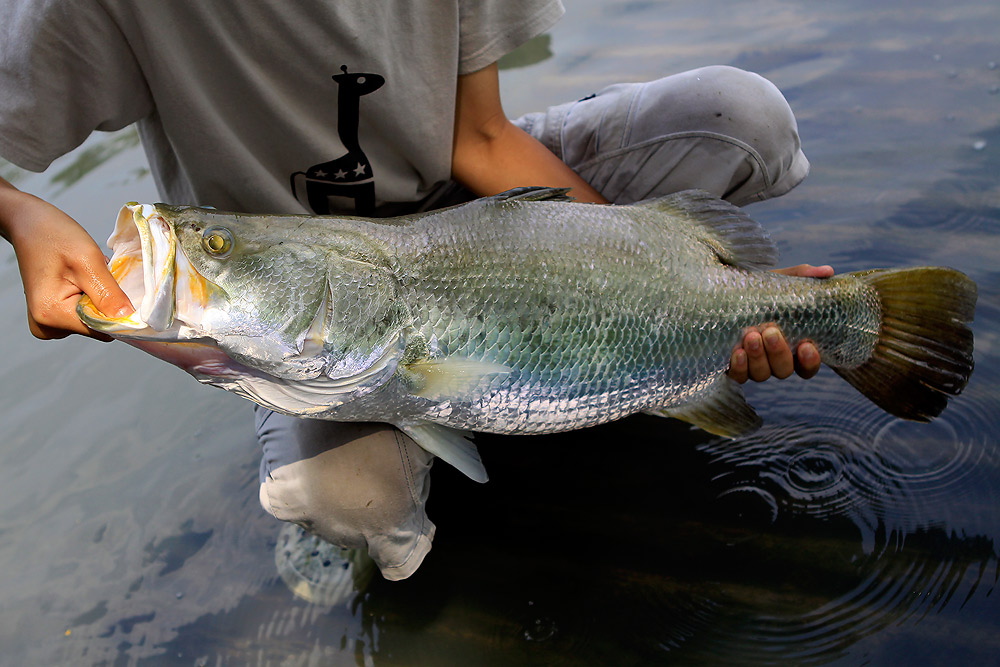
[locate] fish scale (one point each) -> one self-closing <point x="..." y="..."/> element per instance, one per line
<point x="612" y="356"/>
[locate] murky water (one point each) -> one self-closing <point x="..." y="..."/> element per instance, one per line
<point x="129" y="525"/>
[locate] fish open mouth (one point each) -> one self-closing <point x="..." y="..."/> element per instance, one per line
<point x="170" y="297"/>
<point x="156" y="276"/>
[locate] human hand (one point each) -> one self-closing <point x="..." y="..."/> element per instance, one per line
<point x="59" y="262"/>
<point x="765" y="352"/>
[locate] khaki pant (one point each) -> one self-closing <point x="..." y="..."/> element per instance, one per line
<point x="719" y="129"/>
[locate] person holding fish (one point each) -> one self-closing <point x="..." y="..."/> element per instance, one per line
<point x="264" y="108"/>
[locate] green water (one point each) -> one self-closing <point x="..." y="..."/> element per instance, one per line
<point x="130" y="531"/>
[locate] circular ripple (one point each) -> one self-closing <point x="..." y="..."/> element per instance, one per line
<point x="915" y="450"/>
<point x="814" y="471"/>
<point x="748" y="504"/>
<point x="890" y="511"/>
<point x="958" y="206"/>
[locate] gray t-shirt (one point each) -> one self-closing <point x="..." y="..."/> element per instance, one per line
<point x="263" y="106"/>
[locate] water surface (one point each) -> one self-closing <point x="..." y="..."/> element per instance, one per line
<point x="130" y="531"/>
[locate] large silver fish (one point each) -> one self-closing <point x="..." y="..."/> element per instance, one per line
<point x="519" y="313"/>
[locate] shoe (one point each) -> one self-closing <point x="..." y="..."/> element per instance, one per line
<point x="320" y="572"/>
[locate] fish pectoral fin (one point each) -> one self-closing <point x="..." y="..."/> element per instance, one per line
<point x="449" y="376"/>
<point x="724" y="411"/>
<point x="734" y="237"/>
<point x="451" y="446"/>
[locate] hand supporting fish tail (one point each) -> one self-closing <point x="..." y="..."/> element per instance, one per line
<point x="765" y="352"/>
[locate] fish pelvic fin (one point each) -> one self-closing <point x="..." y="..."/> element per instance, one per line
<point x="736" y="238"/>
<point x="451" y="446"/>
<point x="724" y="411"/>
<point x="923" y="353"/>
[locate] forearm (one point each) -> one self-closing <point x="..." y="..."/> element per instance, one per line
<point x="490" y="154"/>
<point x="509" y="158"/>
<point x="11" y="201"/>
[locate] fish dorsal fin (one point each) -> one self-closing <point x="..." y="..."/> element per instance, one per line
<point x="723" y="411"/>
<point x="736" y="238"/>
<point x="533" y="193"/>
<point x="450" y="445"/>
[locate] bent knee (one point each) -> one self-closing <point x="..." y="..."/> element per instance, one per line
<point x="721" y="100"/>
<point x="369" y="481"/>
<point x="344" y="511"/>
<point x="386" y="521"/>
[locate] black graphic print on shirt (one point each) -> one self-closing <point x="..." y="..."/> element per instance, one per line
<point x="331" y="186"/>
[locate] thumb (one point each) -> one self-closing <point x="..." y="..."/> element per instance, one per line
<point x="100" y="285"/>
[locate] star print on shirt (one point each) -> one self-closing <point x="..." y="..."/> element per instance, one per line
<point x="359" y="170"/>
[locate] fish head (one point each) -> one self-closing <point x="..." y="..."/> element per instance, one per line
<point x="143" y="261"/>
<point x="225" y="296"/>
<point x="196" y="273"/>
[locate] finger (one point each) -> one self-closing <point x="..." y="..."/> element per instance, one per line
<point x="51" y="333"/>
<point x="59" y="320"/>
<point x="779" y="354"/>
<point x="97" y="335"/>
<point x="807" y="360"/>
<point x="105" y="292"/>
<point x="44" y="332"/>
<point x="758" y="367"/>
<point x="738" y="365"/>
<point x="807" y="271"/>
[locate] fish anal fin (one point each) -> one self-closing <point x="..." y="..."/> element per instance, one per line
<point x="451" y="446"/>
<point x="724" y="411"/>
<point x="450" y="376"/>
<point x="735" y="237"/>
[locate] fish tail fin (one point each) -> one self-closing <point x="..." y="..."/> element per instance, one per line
<point x="924" y="350"/>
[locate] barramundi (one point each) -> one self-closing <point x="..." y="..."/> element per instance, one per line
<point x="520" y="313"/>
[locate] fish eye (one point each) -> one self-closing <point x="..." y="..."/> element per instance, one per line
<point x="217" y="241"/>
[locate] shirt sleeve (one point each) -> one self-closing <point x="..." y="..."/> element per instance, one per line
<point x="490" y="30"/>
<point x="66" y="69"/>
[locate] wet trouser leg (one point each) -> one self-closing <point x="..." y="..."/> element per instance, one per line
<point x="718" y="128"/>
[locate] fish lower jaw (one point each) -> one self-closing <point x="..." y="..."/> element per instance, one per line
<point x="199" y="357"/>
